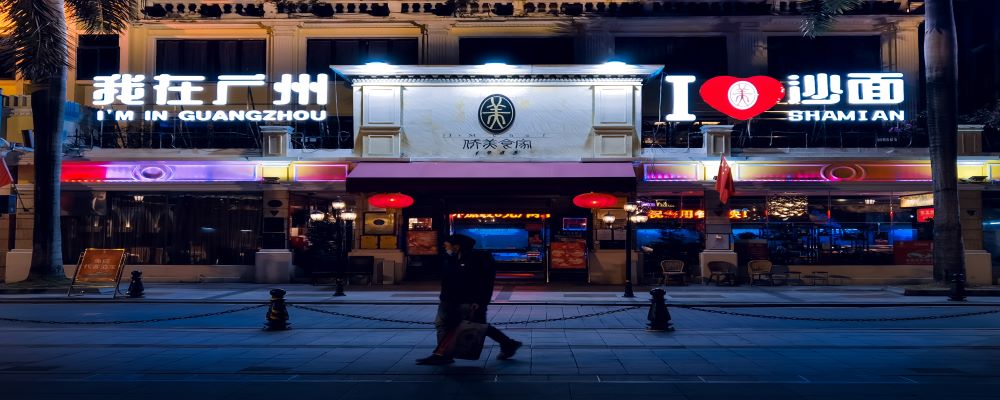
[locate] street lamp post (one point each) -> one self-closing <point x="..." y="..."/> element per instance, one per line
<point x="343" y="219"/>
<point x="628" y="258"/>
<point x="635" y="216"/>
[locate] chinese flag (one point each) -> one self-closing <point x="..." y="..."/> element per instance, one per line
<point x="5" y="177"/>
<point x="724" y="181"/>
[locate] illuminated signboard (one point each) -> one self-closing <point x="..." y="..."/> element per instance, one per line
<point x="179" y="90"/>
<point x="859" y="97"/>
<point x="917" y="200"/>
<point x="925" y="214"/>
<point x="501" y="216"/>
<point x="742" y="213"/>
<point x="811" y="96"/>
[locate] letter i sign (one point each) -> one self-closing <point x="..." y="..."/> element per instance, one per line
<point x="742" y="98"/>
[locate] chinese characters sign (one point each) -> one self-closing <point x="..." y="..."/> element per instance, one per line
<point x="811" y="96"/>
<point x="180" y="90"/>
<point x="501" y="216"/>
<point x="735" y="214"/>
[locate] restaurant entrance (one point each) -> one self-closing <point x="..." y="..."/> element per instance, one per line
<point x="531" y="238"/>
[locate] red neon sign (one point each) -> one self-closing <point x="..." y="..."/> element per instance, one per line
<point x="501" y="216"/>
<point x="742" y="98"/>
<point x="693" y="214"/>
<point x="925" y="214"/>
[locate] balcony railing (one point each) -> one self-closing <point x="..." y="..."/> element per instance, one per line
<point x="226" y="9"/>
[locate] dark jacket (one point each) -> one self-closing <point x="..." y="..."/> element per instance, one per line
<point x="469" y="278"/>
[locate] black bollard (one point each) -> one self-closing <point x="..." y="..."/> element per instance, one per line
<point x="277" y="312"/>
<point x="135" y="288"/>
<point x="957" y="291"/>
<point x="659" y="316"/>
<point x="340" y="288"/>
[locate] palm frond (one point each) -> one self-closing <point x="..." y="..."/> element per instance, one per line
<point x="103" y="16"/>
<point x="820" y="15"/>
<point x="35" y="37"/>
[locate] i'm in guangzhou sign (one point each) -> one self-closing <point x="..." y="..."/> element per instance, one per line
<point x="180" y="90"/>
<point x="821" y="97"/>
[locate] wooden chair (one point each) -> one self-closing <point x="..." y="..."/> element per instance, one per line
<point x="776" y="273"/>
<point x="672" y="269"/>
<point x="720" y="271"/>
<point x="758" y="269"/>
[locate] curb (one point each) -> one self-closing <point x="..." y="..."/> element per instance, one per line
<point x="525" y="303"/>
<point x="944" y="292"/>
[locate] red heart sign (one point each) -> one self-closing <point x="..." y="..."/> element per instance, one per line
<point x="742" y="98"/>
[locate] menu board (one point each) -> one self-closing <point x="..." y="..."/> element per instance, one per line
<point x="99" y="268"/>
<point x="913" y="252"/>
<point x="568" y="255"/>
<point x="421" y="243"/>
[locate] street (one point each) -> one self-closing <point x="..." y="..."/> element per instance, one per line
<point x="710" y="355"/>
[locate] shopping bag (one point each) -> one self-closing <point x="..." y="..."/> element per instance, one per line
<point x="465" y="341"/>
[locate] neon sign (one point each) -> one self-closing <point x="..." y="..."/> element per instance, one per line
<point x="925" y="214"/>
<point x="742" y="98"/>
<point x="179" y="90"/>
<point x="742" y="213"/>
<point x="745" y="98"/>
<point x="501" y="216"/>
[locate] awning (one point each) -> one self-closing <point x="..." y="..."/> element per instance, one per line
<point x="492" y="177"/>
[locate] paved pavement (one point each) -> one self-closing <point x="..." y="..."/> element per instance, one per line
<point x="510" y="293"/>
<point x="710" y="356"/>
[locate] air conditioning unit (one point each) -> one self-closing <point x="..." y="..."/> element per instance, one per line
<point x="277" y="140"/>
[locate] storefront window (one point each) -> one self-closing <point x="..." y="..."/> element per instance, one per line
<point x="991" y="228"/>
<point x="537" y="50"/>
<point x="794" y="55"/>
<point x="164" y="228"/>
<point x="97" y="55"/>
<point x="215" y="57"/>
<point x="676" y="54"/>
<point x="322" y="53"/>
<point x="675" y="231"/>
<point x="795" y="229"/>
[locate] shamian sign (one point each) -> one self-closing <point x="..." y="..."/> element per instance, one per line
<point x="178" y="90"/>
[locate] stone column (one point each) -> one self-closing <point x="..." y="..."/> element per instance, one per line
<point x="273" y="263"/>
<point x="901" y="53"/>
<point x="747" y="50"/>
<point x="440" y="45"/>
<point x="284" y="51"/>
<point x="978" y="262"/>
<point x="718" y="232"/>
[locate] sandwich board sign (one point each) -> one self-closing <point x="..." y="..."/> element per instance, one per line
<point x="98" y="268"/>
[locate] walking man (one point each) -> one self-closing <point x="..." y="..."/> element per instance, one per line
<point x="466" y="289"/>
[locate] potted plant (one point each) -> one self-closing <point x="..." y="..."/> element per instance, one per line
<point x="971" y="127"/>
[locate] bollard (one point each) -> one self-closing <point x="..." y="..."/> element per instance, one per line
<point x="277" y="312"/>
<point x="957" y="290"/>
<point x="135" y="288"/>
<point x="340" y="288"/>
<point x="659" y="316"/>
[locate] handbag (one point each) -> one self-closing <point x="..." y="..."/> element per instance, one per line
<point x="465" y="341"/>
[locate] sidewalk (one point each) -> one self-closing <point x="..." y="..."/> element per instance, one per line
<point x="512" y="293"/>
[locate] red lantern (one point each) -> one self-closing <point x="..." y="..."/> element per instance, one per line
<point x="595" y="200"/>
<point x="390" y="200"/>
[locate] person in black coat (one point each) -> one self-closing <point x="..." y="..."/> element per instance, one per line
<point x="466" y="292"/>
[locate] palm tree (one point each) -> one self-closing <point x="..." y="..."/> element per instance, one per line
<point x="941" y="61"/>
<point x="36" y="39"/>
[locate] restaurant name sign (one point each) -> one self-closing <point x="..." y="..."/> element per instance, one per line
<point x="860" y="97"/>
<point x="180" y="90"/>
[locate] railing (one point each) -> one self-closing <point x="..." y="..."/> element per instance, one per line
<point x="225" y="9"/>
<point x="177" y="134"/>
<point x="771" y="134"/>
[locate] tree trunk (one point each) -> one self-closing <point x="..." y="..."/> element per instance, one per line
<point x="48" y="99"/>
<point x="940" y="57"/>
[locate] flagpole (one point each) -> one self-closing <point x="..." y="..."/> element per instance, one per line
<point x="17" y="193"/>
